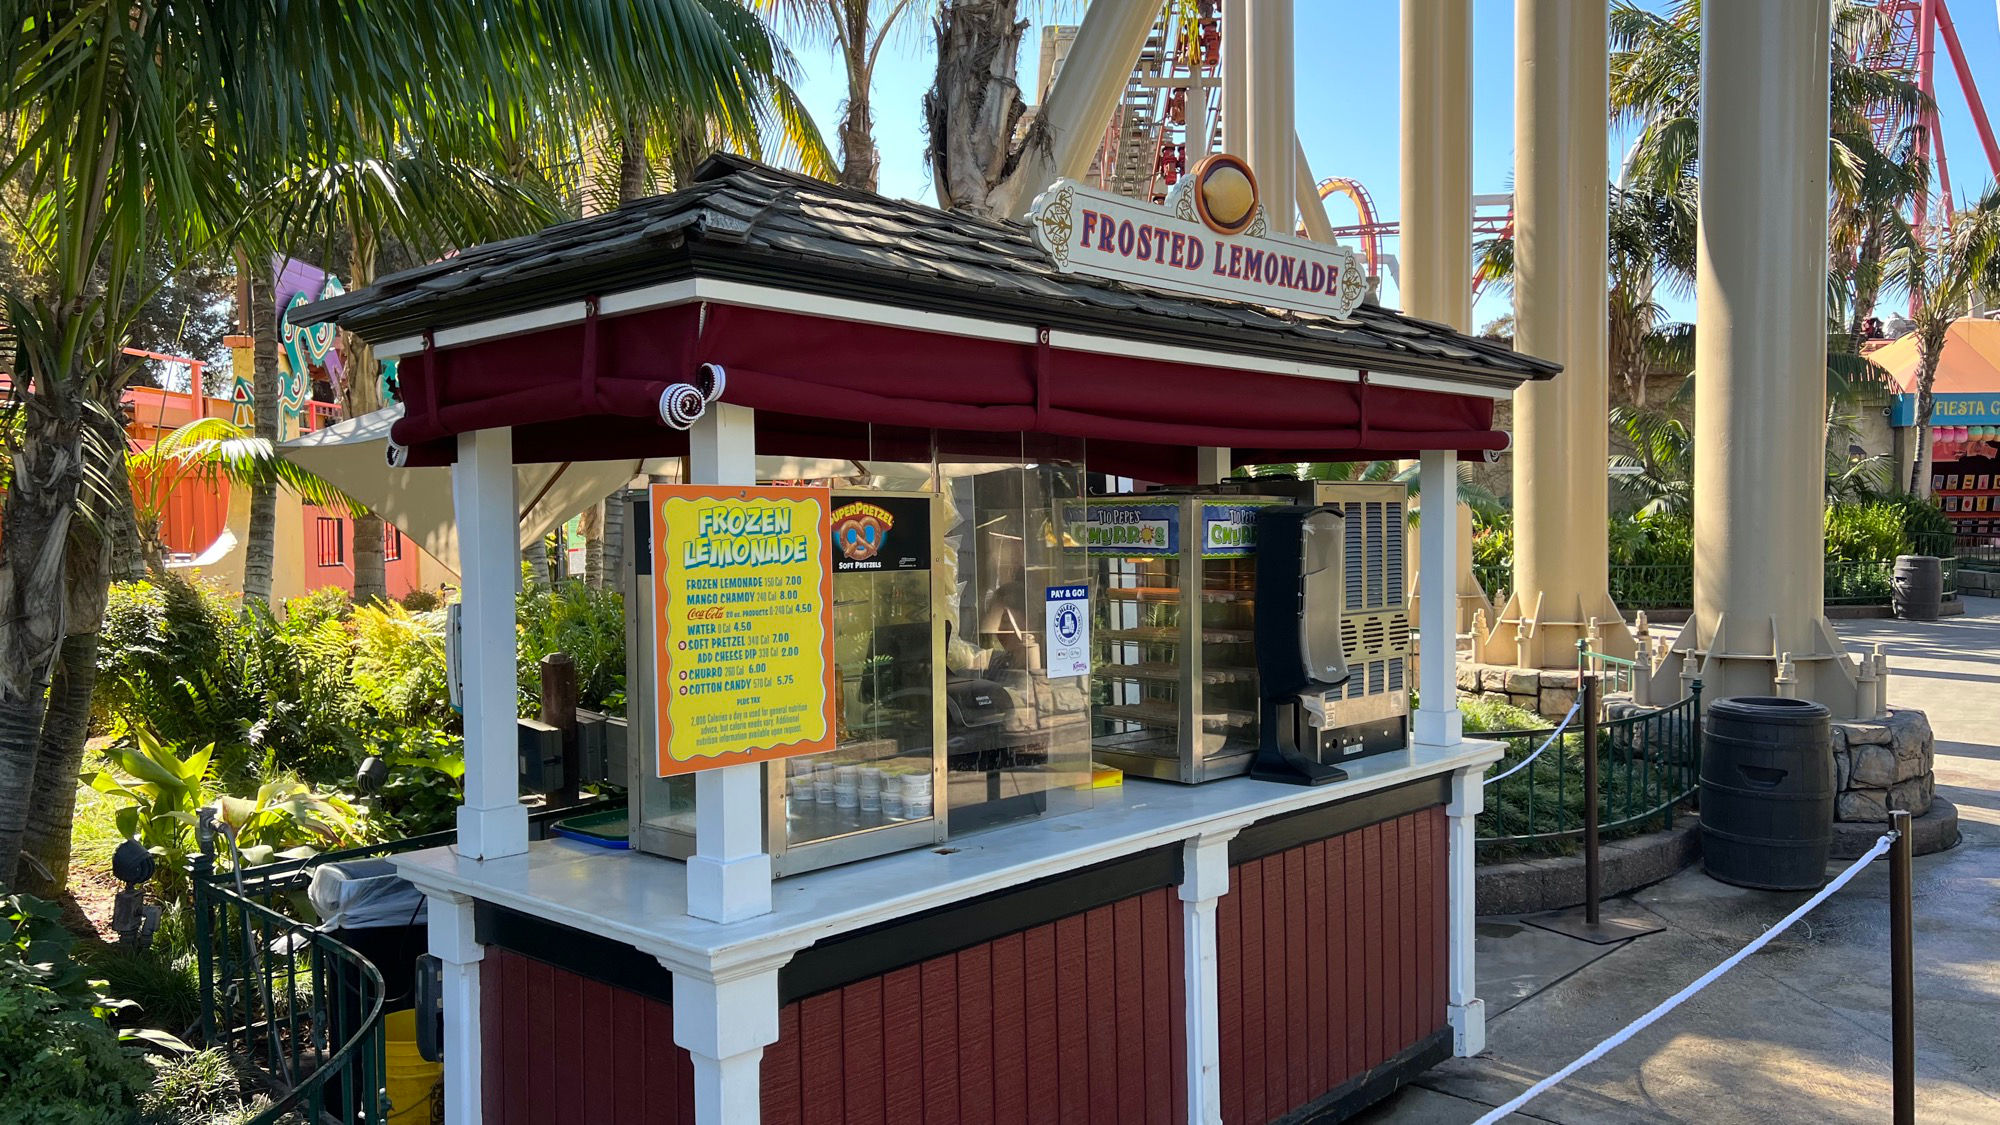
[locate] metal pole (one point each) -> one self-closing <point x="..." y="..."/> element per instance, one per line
<point x="1902" y="976"/>
<point x="1593" y="883"/>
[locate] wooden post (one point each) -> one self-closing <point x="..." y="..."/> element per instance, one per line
<point x="1593" y="883"/>
<point x="559" y="711"/>
<point x="1902" y="970"/>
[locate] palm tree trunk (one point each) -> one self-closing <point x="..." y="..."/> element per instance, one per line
<point x="371" y="569"/>
<point x="34" y="534"/>
<point x="975" y="103"/>
<point x="45" y="844"/>
<point x="631" y="186"/>
<point x="97" y="548"/>
<point x="860" y="162"/>
<point x="261" y="542"/>
<point x="1931" y="351"/>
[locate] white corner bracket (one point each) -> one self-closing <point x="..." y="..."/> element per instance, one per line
<point x="1204" y="880"/>
<point x="725" y="1019"/>
<point x="452" y="941"/>
<point x="1465" y="1010"/>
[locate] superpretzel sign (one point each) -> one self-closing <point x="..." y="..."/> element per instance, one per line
<point x="1210" y="240"/>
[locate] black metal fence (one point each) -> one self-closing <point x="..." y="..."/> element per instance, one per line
<point x="298" y="1006"/>
<point x="301" y="1008"/>
<point x="1647" y="765"/>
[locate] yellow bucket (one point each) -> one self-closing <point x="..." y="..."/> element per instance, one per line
<point x="412" y="1082"/>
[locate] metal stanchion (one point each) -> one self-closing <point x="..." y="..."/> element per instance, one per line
<point x="1902" y="970"/>
<point x="1593" y="876"/>
<point x="1588" y="923"/>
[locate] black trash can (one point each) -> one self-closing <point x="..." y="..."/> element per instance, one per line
<point x="1917" y="587"/>
<point x="1767" y="792"/>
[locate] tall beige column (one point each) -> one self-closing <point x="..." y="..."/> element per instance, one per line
<point x="1270" y="132"/>
<point x="1236" y="77"/>
<point x="1586" y="377"/>
<point x="1083" y="97"/>
<point x="1435" y="243"/>
<point x="1761" y="350"/>
<point x="1560" y="428"/>
<point x="1435" y="240"/>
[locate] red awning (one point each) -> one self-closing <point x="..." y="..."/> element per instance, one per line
<point x="834" y="388"/>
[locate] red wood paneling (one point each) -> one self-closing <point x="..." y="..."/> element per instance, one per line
<point x="1076" y="1020"/>
<point x="1330" y="961"/>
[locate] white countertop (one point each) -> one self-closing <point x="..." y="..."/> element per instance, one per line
<point x="642" y="899"/>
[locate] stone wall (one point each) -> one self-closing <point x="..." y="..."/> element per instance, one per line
<point x="1883" y="764"/>
<point x="1547" y="692"/>
<point x="1979" y="583"/>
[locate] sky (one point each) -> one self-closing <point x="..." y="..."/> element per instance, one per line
<point x="1348" y="98"/>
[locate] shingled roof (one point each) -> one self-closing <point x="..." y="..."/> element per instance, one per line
<point x="745" y="221"/>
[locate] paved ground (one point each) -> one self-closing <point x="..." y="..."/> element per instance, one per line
<point x="1800" y="1032"/>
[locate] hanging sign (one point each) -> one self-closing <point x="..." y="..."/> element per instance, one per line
<point x="1229" y="531"/>
<point x="882" y="533"/>
<point x="1130" y="527"/>
<point x="1068" y="622"/>
<point x="742" y="624"/>
<point x="1211" y="239"/>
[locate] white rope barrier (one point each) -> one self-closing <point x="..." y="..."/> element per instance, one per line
<point x="1550" y="741"/>
<point x="1678" y="998"/>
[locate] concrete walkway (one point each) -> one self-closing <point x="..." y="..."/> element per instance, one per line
<point x="1800" y="1032"/>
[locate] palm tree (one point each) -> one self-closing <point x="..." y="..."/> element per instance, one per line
<point x="858" y="29"/>
<point x="1943" y="270"/>
<point x="205" y="451"/>
<point x="133" y="127"/>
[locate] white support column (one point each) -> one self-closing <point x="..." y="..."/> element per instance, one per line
<point x="1205" y="878"/>
<point x="452" y="941"/>
<point x="1465" y="1010"/>
<point x="1211" y="464"/>
<point x="726" y="1024"/>
<point x="492" y="822"/>
<point x="1438" y="721"/>
<point x="729" y="876"/>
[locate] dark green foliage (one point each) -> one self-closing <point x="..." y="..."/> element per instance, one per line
<point x="61" y="1061"/>
<point x="312" y="690"/>
<point x="589" y="625"/>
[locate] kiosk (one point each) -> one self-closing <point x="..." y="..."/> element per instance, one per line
<point x="876" y="655"/>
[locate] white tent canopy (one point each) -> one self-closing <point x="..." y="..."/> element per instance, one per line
<point x="353" y="455"/>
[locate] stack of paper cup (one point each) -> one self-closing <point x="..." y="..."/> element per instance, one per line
<point x="843" y="787"/>
<point x="823" y="783"/>
<point x="869" y="789"/>
<point x="917" y="795"/>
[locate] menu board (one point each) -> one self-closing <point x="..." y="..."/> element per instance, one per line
<point x="742" y="624"/>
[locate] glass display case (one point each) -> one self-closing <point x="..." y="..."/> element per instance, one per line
<point x="875" y="791"/>
<point x="946" y="717"/>
<point x="1174" y="679"/>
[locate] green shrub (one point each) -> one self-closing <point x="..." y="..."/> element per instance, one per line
<point x="163" y="790"/>
<point x="1493" y="553"/>
<point x="1484" y="714"/>
<point x="201" y="1088"/>
<point x="61" y="1061"/>
<point x="398" y="665"/>
<point x="423" y="601"/>
<point x="587" y="623"/>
